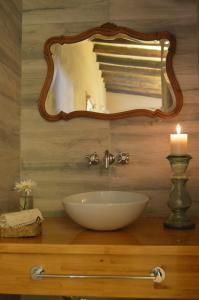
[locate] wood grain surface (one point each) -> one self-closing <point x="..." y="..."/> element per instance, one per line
<point x="66" y="248"/>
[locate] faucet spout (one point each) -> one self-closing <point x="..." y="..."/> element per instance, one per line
<point x="108" y="159"/>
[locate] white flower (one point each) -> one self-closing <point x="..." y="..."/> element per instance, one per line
<point x="25" y="186"/>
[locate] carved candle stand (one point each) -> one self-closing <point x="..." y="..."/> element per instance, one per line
<point x="179" y="199"/>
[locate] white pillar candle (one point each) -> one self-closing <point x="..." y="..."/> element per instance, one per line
<point x="178" y="142"/>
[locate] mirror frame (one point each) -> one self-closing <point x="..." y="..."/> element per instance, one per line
<point x="109" y="30"/>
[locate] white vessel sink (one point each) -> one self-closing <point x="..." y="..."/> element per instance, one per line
<point x="105" y="210"/>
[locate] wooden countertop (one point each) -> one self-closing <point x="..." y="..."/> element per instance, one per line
<point x="61" y="235"/>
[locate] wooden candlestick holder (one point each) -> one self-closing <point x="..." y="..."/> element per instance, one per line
<point x="179" y="198"/>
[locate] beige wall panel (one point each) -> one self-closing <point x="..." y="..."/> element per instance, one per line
<point x="30" y="115"/>
<point x="178" y="11"/>
<point x="53" y="153"/>
<point x="60" y="11"/>
<point x="10" y="70"/>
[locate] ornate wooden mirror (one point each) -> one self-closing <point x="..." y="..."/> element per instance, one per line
<point x="110" y="72"/>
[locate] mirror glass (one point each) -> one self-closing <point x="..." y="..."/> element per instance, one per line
<point x="110" y="72"/>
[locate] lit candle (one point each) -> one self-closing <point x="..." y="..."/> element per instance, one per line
<point x="178" y="142"/>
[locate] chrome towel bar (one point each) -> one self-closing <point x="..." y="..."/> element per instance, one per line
<point x="157" y="275"/>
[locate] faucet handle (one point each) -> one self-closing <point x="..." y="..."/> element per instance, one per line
<point x="93" y="159"/>
<point x="123" y="158"/>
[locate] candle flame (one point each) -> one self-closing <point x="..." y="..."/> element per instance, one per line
<point x="178" y="129"/>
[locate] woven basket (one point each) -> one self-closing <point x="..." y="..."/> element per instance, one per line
<point x="30" y="230"/>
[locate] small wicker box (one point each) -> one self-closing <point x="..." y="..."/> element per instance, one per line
<point x="30" y="230"/>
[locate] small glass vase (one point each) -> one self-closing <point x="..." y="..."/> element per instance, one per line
<point x="25" y="201"/>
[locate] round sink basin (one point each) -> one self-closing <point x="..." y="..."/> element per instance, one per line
<point x="105" y="210"/>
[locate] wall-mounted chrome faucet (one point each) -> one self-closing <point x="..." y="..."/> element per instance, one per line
<point x="108" y="159"/>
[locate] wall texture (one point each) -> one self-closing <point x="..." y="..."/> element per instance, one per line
<point x="10" y="79"/>
<point x="53" y="154"/>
